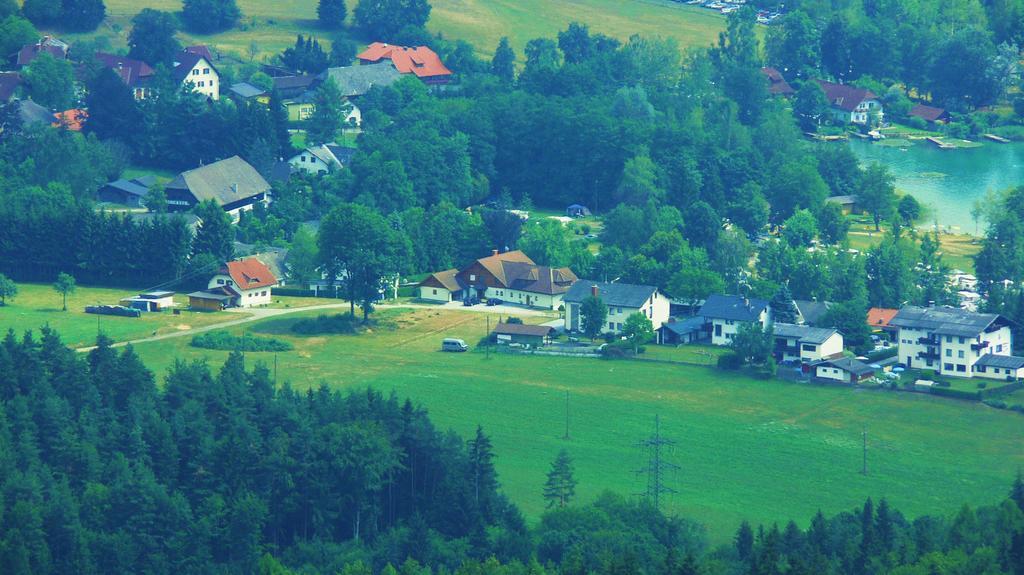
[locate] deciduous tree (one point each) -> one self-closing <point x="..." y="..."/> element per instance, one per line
<point x="593" y="314"/>
<point x="65" y="285"/>
<point x="331" y="13"/>
<point x="152" y="37"/>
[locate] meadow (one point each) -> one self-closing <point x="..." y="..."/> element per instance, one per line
<point x="761" y="450"/>
<point x="270" y="26"/>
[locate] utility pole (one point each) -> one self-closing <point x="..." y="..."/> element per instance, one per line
<point x="487" y="339"/>
<point x="657" y="467"/>
<point x="864" y="463"/>
<point x="275" y="369"/>
<point x="566" y="415"/>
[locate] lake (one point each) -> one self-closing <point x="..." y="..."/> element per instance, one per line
<point x="948" y="181"/>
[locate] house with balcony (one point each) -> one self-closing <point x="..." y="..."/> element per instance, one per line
<point x="852" y="105"/>
<point x="805" y="344"/>
<point x="950" y="340"/>
<point x="726" y="313"/>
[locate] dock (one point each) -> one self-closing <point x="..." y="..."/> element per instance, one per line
<point x="942" y="145"/>
<point x="996" y="138"/>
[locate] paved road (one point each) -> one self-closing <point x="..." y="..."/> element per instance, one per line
<point x="258" y="314"/>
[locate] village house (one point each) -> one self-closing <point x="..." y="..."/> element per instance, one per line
<point x="136" y="74"/>
<point x="246" y="92"/>
<point x="847" y="204"/>
<point x="151" y="301"/>
<point x="726" y="313"/>
<point x="131" y="192"/>
<point x="511" y="277"/>
<point x="879" y="318"/>
<point x="929" y="114"/>
<point x="1005" y="367"/>
<point x="522" y="334"/>
<point x="241" y="283"/>
<point x="805" y="344"/>
<point x="193" y="67"/>
<point x="845" y="369"/>
<point x="950" y="340"/>
<point x="852" y="105"/>
<point x="682" y="331"/>
<point x="777" y="85"/>
<point x="812" y="312"/>
<point x="322" y="159"/>
<point x="622" y="301"/>
<point x="420" y="61"/>
<point x="232" y="183"/>
<point x="46" y="45"/>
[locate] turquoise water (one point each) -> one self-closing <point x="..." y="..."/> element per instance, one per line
<point x="949" y="181"/>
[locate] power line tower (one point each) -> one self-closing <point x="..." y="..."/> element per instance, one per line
<point x="658" y="468"/>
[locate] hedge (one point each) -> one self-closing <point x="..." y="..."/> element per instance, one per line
<point x="956" y="393"/>
<point x="340" y="323"/>
<point x="882" y="354"/>
<point x="224" y="341"/>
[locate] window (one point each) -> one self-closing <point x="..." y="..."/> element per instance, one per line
<point x="947" y="366"/>
<point x="206" y="70"/>
<point x="611" y="325"/>
<point x="201" y="83"/>
<point x="961" y="339"/>
<point x="999" y="348"/>
<point x="949" y="352"/>
<point x="810" y="347"/>
<point x="220" y="282"/>
<point x="981" y="369"/>
<point x="961" y="367"/>
<point x="928" y="362"/>
<point x="229" y="282"/>
<point x="195" y="72"/>
<point x="960" y="354"/>
<point x="949" y="339"/>
<point x="434" y="292"/>
<point x="718" y="330"/>
<point x="263" y="293"/>
<point x="472" y="277"/>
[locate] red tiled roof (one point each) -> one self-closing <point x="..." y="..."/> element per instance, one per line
<point x="880" y="316"/>
<point x="29" y="53"/>
<point x="418" y="60"/>
<point x="249" y="274"/>
<point x="71" y="119"/>
<point x="844" y="97"/>
<point x="776" y="83"/>
<point x="9" y="82"/>
<point x="201" y="50"/>
<point x="133" y="72"/>
<point x="929" y="113"/>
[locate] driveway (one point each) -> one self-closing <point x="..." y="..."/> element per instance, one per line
<point x="259" y="314"/>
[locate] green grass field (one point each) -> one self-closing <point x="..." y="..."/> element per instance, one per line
<point x="958" y="250"/>
<point x="272" y="25"/>
<point x="747" y="449"/>
<point x="37" y="305"/>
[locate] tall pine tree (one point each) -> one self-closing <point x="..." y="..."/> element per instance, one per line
<point x="561" y="485"/>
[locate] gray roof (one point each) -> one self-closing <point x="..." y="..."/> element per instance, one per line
<point x="357" y="80"/>
<point x="804" y="333"/>
<point x="210" y="295"/>
<point x="849" y="364"/>
<point x="842" y="200"/>
<point x="1007" y="361"/>
<point x="813" y="312"/>
<point x="944" y="320"/>
<point x="224" y="182"/>
<point x="32" y="113"/>
<point x="342" y="153"/>
<point x="133" y="187"/>
<point x="733" y="307"/>
<point x="246" y="90"/>
<point x="620" y="295"/>
<point x="685" y="326"/>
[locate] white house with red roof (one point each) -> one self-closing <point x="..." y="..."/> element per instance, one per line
<point x="420" y="61"/>
<point x="248" y="282"/>
<point x="194" y="66"/>
<point x="850" y="104"/>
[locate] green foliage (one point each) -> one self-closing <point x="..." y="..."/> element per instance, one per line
<point x="833" y="226"/>
<point x="50" y="82"/>
<point x="783" y="307"/>
<point x="307" y="56"/>
<point x="877" y="195"/>
<point x="65" y="285"/>
<point x="383" y="19"/>
<point x="225" y="341"/>
<point x="16" y="32"/>
<point x="331" y="13"/>
<point x="209" y="16"/>
<point x="328" y="119"/>
<point x="503" y="62"/>
<point x="638" y="330"/>
<point x="593" y="314"/>
<point x="752" y="343"/>
<point x="909" y="209"/>
<point x="335" y="324"/>
<point x="152" y="37"/>
<point x="730" y="361"/>
<point x="8" y="289"/>
<point x="215" y="235"/>
<point x="800" y="229"/>
<point x="42" y="12"/>
<point x="82" y="15"/>
<point x="560" y="487"/>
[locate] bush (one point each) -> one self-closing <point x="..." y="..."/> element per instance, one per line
<point x="955" y="393"/>
<point x="515" y="320"/>
<point x="731" y="361"/>
<point x="620" y="349"/>
<point x="882" y="354"/>
<point x="1018" y="408"/>
<point x="982" y="385"/>
<point x="995" y="403"/>
<point x="224" y="341"/>
<point x="917" y="122"/>
<point x="341" y="323"/>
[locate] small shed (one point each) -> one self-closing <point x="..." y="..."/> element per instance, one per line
<point x="844" y="369"/>
<point x="577" y="211"/>
<point x="536" y="335"/>
<point x="150" y="301"/>
<point x="688" y="330"/>
<point x="208" y="300"/>
<point x="848" y="204"/>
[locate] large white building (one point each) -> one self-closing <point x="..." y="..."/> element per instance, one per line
<point x="622" y="301"/>
<point x="950" y="340"/>
<point x="193" y="67"/>
<point x="726" y="313"/>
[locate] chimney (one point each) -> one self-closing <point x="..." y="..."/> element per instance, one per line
<point x="494" y="252"/>
<point x="234" y="188"/>
<point x="594" y="291"/>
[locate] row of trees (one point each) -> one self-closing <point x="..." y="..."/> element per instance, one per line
<point x="226" y="472"/>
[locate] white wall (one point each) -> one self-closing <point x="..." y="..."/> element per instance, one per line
<point x="204" y="79"/>
<point x="435" y="294"/>
<point x="953" y="351"/>
<point x="829" y="372"/>
<point x="309" y="163"/>
<point x="517" y="297"/>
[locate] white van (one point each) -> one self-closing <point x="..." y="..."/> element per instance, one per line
<point x="453" y="344"/>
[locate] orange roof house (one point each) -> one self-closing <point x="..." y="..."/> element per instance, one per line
<point x="72" y="119"/>
<point x="247" y="283"/>
<point x="250" y="273"/>
<point x="879" y="317"/>
<point x="421" y="61"/>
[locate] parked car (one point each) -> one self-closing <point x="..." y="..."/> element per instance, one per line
<point x="453" y="344"/>
<point x="493" y="301"/>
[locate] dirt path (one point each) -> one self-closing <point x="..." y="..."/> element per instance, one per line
<point x="259" y="314"/>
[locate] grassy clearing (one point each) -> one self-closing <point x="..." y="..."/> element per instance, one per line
<point x="272" y="25"/>
<point x="748" y="449"/>
<point x="958" y="250"/>
<point x="38" y="305"/>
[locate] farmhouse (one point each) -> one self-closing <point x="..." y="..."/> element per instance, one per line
<point x="355" y="81"/>
<point x="726" y="313"/>
<point x="851" y="105"/>
<point x="232" y="183"/>
<point x="950" y="340"/>
<point x="192" y="67"/>
<point x="622" y="301"/>
<point x="136" y="74"/>
<point x="999" y="367"/>
<point x="511" y="277"/>
<point x="322" y="159"/>
<point x="777" y="85"/>
<point x="532" y="335"/>
<point x="126" y="192"/>
<point x="248" y="282"/>
<point x="46" y="45"/>
<point x="847" y="204"/>
<point x="844" y="369"/>
<point x="420" y="61"/>
<point x="805" y="344"/>
<point x="73" y="119"/>
<point x="930" y="114"/>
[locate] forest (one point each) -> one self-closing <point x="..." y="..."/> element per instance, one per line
<point x="220" y="470"/>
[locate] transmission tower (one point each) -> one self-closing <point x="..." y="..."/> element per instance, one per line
<point x="658" y="468"/>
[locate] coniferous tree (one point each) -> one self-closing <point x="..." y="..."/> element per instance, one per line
<point x="560" y="487"/>
<point x="744" y="542"/>
<point x="331" y="13"/>
<point x="215" y="235"/>
<point x="503" y="62"/>
<point x="594" y="312"/>
<point x="328" y="119"/>
<point x="113" y="111"/>
<point x="783" y="307"/>
<point x="483" y="479"/>
<point x="1017" y="491"/>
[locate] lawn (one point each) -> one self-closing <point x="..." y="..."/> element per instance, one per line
<point x="958" y="250"/>
<point x="764" y="451"/>
<point x="37" y="305"/>
<point x="272" y="25"/>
